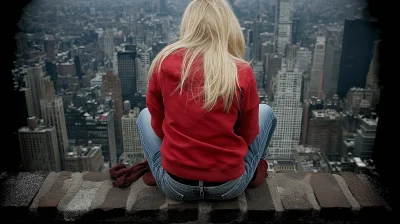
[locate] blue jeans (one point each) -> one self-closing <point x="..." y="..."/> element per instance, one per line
<point x="151" y="144"/>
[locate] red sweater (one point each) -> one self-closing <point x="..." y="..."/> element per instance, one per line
<point x="200" y="145"/>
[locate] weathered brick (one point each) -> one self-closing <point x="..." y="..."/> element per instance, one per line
<point x="48" y="201"/>
<point x="144" y="203"/>
<point x="331" y="199"/>
<point x="260" y="207"/>
<point x="113" y="206"/>
<point x="297" y="197"/>
<point x="17" y="191"/>
<point x="372" y="207"/>
<point x="96" y="177"/>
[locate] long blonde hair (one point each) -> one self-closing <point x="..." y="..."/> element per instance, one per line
<point x="209" y="28"/>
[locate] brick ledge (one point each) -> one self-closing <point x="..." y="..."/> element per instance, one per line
<point x="282" y="198"/>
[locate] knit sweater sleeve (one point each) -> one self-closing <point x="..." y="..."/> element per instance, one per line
<point x="247" y="124"/>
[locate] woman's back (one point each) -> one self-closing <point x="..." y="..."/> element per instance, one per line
<point x="208" y="133"/>
<point x="199" y="144"/>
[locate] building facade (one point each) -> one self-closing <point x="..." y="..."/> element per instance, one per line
<point x="365" y="138"/>
<point x="288" y="109"/>
<point x="85" y="158"/>
<point x="127" y="73"/>
<point x="39" y="148"/>
<point x="283" y="24"/>
<point x="358" y="42"/>
<point x="331" y="66"/>
<point x="323" y="132"/>
<point x="133" y="151"/>
<point x="94" y="124"/>
<point x="317" y="68"/>
<point x="111" y="87"/>
<point x="36" y="85"/>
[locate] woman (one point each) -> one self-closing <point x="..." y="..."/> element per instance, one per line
<point x="203" y="131"/>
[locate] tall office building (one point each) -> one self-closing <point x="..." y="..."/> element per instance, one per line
<point x="108" y="46"/>
<point x="85" y="158"/>
<point x="94" y="123"/>
<point x="331" y="66"/>
<point x="288" y="109"/>
<point x="273" y="63"/>
<point x="127" y="72"/>
<point x="317" y="68"/>
<point x="115" y="63"/>
<point x="35" y="84"/>
<point x="304" y="57"/>
<point x="78" y="69"/>
<point x="256" y="51"/>
<point x="53" y="115"/>
<point x="297" y="28"/>
<point x="323" y="132"/>
<point x="372" y="77"/>
<point x="133" y="151"/>
<point x="39" y="149"/>
<point x="258" y="71"/>
<point x="22" y="97"/>
<point x="111" y="86"/>
<point x="309" y="106"/>
<point x="358" y="42"/>
<point x="50" y="47"/>
<point x="357" y="99"/>
<point x="25" y="106"/>
<point x="283" y="24"/>
<point x="51" y="70"/>
<point x="250" y="37"/>
<point x="141" y="76"/>
<point x="365" y="138"/>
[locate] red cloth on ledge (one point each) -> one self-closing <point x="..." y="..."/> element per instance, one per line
<point x="124" y="176"/>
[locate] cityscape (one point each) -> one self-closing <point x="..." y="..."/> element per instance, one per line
<point x="80" y="78"/>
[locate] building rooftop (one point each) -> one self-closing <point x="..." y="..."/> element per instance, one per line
<point x="83" y="151"/>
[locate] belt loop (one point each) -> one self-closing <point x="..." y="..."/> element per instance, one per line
<point x="201" y="189"/>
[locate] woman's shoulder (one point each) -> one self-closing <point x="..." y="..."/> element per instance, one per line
<point x="245" y="73"/>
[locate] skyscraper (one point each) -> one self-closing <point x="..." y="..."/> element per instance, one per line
<point x="108" y="46"/>
<point x="288" y="109"/>
<point x="317" y="67"/>
<point x="256" y="51"/>
<point x="273" y="64"/>
<point x="372" y="77"/>
<point x="357" y="51"/>
<point x="133" y="151"/>
<point x="304" y="57"/>
<point x="53" y="115"/>
<point x="127" y="73"/>
<point x="296" y="30"/>
<point x="50" y="47"/>
<point x="331" y="66"/>
<point x="283" y="24"/>
<point x="365" y="138"/>
<point x="93" y="123"/>
<point x="51" y="70"/>
<point x="111" y="86"/>
<point x="35" y="84"/>
<point x="323" y="132"/>
<point x="141" y="71"/>
<point x="39" y="149"/>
